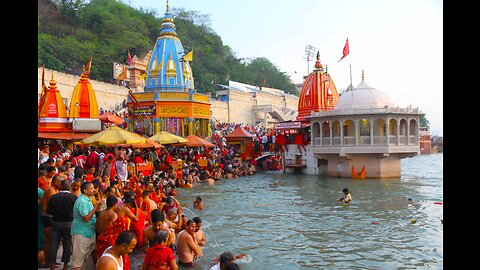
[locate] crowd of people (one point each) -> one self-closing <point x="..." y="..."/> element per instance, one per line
<point x="93" y="202"/>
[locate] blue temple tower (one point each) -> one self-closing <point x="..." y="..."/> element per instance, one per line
<point x="169" y="101"/>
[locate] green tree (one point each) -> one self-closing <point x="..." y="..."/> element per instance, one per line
<point x="107" y="29"/>
<point x="424" y="122"/>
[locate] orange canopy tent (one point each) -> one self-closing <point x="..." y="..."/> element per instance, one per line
<point x="111" y="118"/>
<point x="195" y="141"/>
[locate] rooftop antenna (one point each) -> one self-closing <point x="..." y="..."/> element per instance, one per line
<point x="309" y="55"/>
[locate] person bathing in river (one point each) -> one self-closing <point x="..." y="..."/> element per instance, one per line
<point x="187" y="245"/>
<point x="199" y="234"/>
<point x="198" y="204"/>
<point x="347" y="198"/>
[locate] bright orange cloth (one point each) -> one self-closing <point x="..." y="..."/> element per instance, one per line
<point x="138" y="226"/>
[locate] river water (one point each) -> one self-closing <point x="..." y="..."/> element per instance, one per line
<point x="286" y="221"/>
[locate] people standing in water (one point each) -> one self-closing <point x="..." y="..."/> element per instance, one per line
<point x="199" y="234"/>
<point x="158" y="224"/>
<point x="187" y="246"/>
<point x="347" y="197"/>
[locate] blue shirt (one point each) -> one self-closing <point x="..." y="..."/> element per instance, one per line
<point x="83" y="206"/>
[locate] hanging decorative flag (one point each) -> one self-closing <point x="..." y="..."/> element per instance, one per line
<point x="86" y="70"/>
<point x="129" y="59"/>
<point x="346" y="50"/>
<point x="188" y="56"/>
<point x="43" y="93"/>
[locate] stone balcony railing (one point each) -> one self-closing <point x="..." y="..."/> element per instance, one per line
<point x="350" y="111"/>
<point x="363" y="141"/>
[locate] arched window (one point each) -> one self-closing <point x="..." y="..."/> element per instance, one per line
<point x="316" y="133"/>
<point x="392" y="127"/>
<point x="336" y="132"/>
<point x="364" y="126"/>
<point x="379" y="131"/>
<point x="402" y="138"/>
<point x="326" y="129"/>
<point x="413" y="128"/>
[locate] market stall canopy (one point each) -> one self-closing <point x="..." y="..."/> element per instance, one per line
<point x="164" y="137"/>
<point x="239" y="132"/>
<point x="113" y="136"/>
<point x="111" y="118"/>
<point x="195" y="141"/>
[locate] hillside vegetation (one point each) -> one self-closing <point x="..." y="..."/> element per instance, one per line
<point x="70" y="32"/>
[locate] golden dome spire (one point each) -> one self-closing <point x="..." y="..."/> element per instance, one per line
<point x="53" y="83"/>
<point x="168" y="7"/>
<point x="363" y="74"/>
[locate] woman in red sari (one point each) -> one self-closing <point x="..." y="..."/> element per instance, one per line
<point x="109" y="236"/>
<point x="136" y="226"/>
<point x="158" y="255"/>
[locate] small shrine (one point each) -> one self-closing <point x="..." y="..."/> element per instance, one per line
<point x="243" y="140"/>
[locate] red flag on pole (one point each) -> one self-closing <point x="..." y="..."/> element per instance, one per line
<point x="346" y="50"/>
<point x="129" y="59"/>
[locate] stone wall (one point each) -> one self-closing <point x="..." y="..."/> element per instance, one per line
<point x="219" y="111"/>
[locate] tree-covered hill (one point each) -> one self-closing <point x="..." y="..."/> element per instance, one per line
<point x="70" y="32"/>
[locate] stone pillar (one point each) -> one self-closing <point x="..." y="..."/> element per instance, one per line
<point x="371" y="130"/>
<point x="191" y="131"/>
<point x="341" y="132"/>
<point x="357" y="131"/>
<point x="398" y="130"/>
<point x="208" y="128"/>
<point x="156" y="125"/>
<point x="387" y="130"/>
<point x="408" y="131"/>
<point x="330" y="126"/>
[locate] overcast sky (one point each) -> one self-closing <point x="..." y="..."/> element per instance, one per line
<point x="398" y="43"/>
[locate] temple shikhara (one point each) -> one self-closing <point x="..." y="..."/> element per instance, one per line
<point x="318" y="94"/>
<point x="79" y="120"/>
<point x="169" y="101"/>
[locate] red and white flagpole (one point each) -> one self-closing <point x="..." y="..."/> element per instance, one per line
<point x="346" y="51"/>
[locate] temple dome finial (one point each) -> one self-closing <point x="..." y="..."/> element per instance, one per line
<point x="363" y="75"/>
<point x="318" y="65"/>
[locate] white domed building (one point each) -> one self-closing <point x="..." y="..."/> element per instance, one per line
<point x="365" y="136"/>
